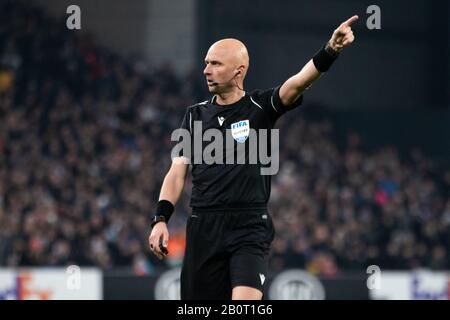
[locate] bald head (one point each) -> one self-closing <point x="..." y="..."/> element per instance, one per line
<point x="227" y="63"/>
<point x="232" y="50"/>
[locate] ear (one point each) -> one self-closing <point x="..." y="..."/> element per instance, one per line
<point x="240" y="70"/>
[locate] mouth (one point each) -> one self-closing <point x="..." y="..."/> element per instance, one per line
<point x="210" y="82"/>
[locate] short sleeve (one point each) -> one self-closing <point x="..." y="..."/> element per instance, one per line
<point x="269" y="100"/>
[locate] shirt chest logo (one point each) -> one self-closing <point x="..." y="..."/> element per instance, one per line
<point x="240" y="130"/>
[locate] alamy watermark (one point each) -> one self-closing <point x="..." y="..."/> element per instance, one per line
<point x="374" y="280"/>
<point x="374" y="20"/>
<point x="73" y="281"/>
<point x="74" y="20"/>
<point x="263" y="146"/>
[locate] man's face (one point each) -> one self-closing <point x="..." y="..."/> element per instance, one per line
<point x="219" y="70"/>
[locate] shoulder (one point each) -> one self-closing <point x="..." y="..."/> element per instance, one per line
<point x="260" y="92"/>
<point x="263" y="94"/>
<point x="262" y="97"/>
<point x="198" y="105"/>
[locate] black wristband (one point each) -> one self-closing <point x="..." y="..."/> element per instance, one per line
<point x="324" y="58"/>
<point x="157" y="219"/>
<point x="164" y="209"/>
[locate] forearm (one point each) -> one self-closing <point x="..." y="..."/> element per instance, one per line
<point x="297" y="84"/>
<point x="172" y="188"/>
<point x="291" y="90"/>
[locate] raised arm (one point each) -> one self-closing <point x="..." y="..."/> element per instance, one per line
<point x="292" y="89"/>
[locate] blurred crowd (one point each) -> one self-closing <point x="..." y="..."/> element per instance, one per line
<point x="85" y="143"/>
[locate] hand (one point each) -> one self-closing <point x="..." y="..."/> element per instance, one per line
<point x="343" y="35"/>
<point x="159" y="235"/>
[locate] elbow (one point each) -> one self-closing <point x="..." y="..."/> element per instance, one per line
<point x="292" y="97"/>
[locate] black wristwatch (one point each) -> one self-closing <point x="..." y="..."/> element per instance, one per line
<point x="157" y="219"/>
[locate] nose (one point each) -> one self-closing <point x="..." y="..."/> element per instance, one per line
<point x="206" y="71"/>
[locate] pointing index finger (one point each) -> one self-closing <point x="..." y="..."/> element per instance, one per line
<point x="350" y="21"/>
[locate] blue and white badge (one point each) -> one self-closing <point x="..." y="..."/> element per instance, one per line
<point x="240" y="130"/>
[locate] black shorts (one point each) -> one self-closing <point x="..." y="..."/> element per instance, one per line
<point x="225" y="249"/>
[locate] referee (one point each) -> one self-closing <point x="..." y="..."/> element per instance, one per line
<point x="229" y="232"/>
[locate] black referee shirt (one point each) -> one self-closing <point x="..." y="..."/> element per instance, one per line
<point x="233" y="186"/>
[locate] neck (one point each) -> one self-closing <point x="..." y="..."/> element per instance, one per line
<point x="229" y="97"/>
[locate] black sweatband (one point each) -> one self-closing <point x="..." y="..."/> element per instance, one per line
<point x="164" y="208"/>
<point x="324" y="58"/>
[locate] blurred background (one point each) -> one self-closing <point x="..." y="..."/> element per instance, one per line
<point x="85" y="123"/>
